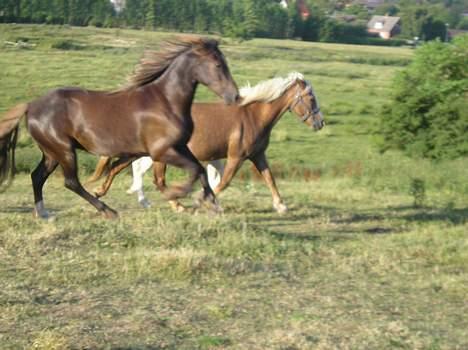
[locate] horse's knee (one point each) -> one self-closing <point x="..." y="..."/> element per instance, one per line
<point x="72" y="184"/>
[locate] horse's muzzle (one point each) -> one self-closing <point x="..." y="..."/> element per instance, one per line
<point x="318" y="123"/>
<point x="231" y="98"/>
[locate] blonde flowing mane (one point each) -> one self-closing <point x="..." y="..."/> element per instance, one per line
<point x="268" y="90"/>
<point x="154" y="63"/>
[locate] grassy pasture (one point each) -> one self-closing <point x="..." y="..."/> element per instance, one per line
<point x="353" y="264"/>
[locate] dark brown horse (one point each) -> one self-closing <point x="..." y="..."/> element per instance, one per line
<point x="239" y="132"/>
<point x="149" y="116"/>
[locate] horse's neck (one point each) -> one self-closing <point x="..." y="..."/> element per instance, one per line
<point x="178" y="86"/>
<point x="272" y="112"/>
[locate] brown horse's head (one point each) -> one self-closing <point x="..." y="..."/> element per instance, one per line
<point x="211" y="69"/>
<point x="304" y="103"/>
<point x="194" y="57"/>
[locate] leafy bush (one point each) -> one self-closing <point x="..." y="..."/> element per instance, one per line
<point x="418" y="191"/>
<point x="428" y="111"/>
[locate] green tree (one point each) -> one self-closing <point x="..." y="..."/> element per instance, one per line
<point x="387" y="9"/>
<point x="463" y="24"/>
<point x="275" y="24"/>
<point x="150" y="20"/>
<point x="312" y="25"/>
<point x="433" y="29"/>
<point x="427" y="114"/>
<point x="295" y="23"/>
<point x="202" y="16"/>
<point x="250" y="19"/>
<point x="134" y="13"/>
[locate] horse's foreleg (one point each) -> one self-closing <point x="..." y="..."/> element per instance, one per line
<point x="261" y="163"/>
<point x="116" y="168"/>
<point x="232" y="165"/>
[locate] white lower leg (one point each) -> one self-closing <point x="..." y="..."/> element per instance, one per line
<point x="139" y="167"/>
<point x="40" y="210"/>
<point x="142" y="199"/>
<point x="214" y="171"/>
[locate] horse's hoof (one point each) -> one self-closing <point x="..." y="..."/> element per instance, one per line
<point x="175" y="192"/>
<point x="213" y="206"/>
<point x="44" y="215"/>
<point x="177" y="207"/>
<point x="98" y="192"/>
<point x="217" y="209"/>
<point x="145" y="203"/>
<point x="110" y="214"/>
<point x="280" y="208"/>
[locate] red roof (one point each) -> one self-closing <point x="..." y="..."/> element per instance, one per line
<point x="303" y="9"/>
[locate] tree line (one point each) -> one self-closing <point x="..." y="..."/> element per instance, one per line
<point x="237" y="18"/>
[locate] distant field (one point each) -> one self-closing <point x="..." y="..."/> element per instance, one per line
<point x="353" y="264"/>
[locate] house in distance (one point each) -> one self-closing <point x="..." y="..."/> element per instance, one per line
<point x="384" y="26"/>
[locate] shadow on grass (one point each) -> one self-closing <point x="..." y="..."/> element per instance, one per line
<point x="22" y="210"/>
<point x="413" y="214"/>
<point x="138" y="347"/>
<point x="339" y="224"/>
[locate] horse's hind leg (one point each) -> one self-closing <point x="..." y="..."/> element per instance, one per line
<point x="117" y="166"/>
<point x="159" y="172"/>
<point x="68" y="162"/>
<point x="261" y="163"/>
<point x="39" y="176"/>
<point x="101" y="167"/>
<point x="139" y="167"/>
<point x="215" y="171"/>
<point x="182" y="157"/>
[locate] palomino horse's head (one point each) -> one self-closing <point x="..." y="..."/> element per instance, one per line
<point x="304" y="103"/>
<point x="211" y="69"/>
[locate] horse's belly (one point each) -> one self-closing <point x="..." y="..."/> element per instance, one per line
<point x="208" y="152"/>
<point x="109" y="145"/>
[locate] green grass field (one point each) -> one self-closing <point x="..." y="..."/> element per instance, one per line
<point x="353" y="264"/>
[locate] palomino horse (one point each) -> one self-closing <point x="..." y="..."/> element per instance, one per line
<point x="149" y="116"/>
<point x="239" y="132"/>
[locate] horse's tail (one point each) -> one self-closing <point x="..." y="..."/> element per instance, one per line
<point x="102" y="167"/>
<point x="9" y="126"/>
